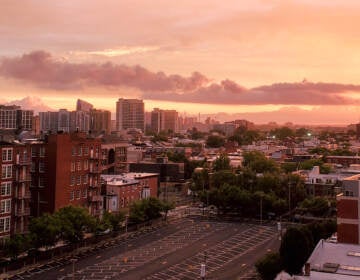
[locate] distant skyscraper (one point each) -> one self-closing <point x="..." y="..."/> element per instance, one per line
<point x="79" y="121"/>
<point x="164" y="120"/>
<point x="48" y="121"/>
<point x="63" y="120"/>
<point x="100" y="120"/>
<point x="130" y="114"/>
<point x="12" y="117"/>
<point x="82" y="105"/>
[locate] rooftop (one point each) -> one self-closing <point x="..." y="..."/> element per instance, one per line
<point x="126" y="178"/>
<point x="334" y="261"/>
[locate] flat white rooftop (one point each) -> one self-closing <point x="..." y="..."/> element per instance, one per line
<point x="334" y="261"/>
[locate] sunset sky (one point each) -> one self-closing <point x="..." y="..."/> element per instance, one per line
<point x="295" y="60"/>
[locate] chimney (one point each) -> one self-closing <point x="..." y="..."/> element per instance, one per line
<point x="307" y="269"/>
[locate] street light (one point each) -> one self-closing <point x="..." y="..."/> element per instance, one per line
<point x="289" y="198"/>
<point x="261" y="200"/>
<point x="203" y="268"/>
<point x="73" y="267"/>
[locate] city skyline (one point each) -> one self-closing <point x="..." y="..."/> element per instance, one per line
<point x="292" y="61"/>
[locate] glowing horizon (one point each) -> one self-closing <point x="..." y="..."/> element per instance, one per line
<point x="250" y="57"/>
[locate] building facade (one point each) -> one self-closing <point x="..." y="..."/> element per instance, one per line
<point x="130" y="113"/>
<point x="348" y="211"/>
<point x="164" y="120"/>
<point x="66" y="170"/>
<point x="100" y="121"/>
<point x="12" y="117"/>
<point x="15" y="188"/>
<point x="122" y="190"/>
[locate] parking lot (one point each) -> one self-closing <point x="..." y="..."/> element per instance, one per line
<point x="173" y="252"/>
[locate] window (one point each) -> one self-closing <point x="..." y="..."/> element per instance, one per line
<point x="5" y="206"/>
<point x="86" y="151"/>
<point x="80" y="151"/>
<point x="6" y="171"/>
<point x="6" y="188"/>
<point x="72" y="166"/>
<point x="32" y="167"/>
<point x="5" y="224"/>
<point x="78" y="165"/>
<point x="33" y="152"/>
<point x="41" y="166"/>
<point x="77" y="194"/>
<point x="72" y="180"/>
<point x="72" y="195"/>
<point x="78" y="181"/>
<point x="86" y="164"/>
<point x="41" y="182"/>
<point x="7" y="154"/>
<point x="84" y="193"/>
<point x="85" y="179"/>
<point x="73" y="151"/>
<point x="42" y="151"/>
<point x="349" y="193"/>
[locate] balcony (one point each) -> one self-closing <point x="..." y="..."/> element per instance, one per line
<point x="23" y="161"/>
<point x="23" y="195"/>
<point x="95" y="198"/>
<point x="95" y="170"/>
<point x="22" y="212"/>
<point x="26" y="178"/>
<point x="94" y="156"/>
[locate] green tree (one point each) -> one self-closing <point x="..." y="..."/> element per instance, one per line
<point x="223" y="177"/>
<point x="215" y="141"/>
<point x="137" y="212"/>
<point x="301" y="132"/>
<point x="148" y="209"/>
<point x="15" y="245"/>
<point x="258" y="162"/>
<point x="293" y="255"/>
<point x="176" y="157"/>
<point x="322" y="230"/>
<point x="244" y="137"/>
<point x="221" y="163"/>
<point x="309" y="164"/>
<point x="166" y="207"/>
<point x="289" y="167"/>
<point x="45" y="230"/>
<point x="114" y="220"/>
<point x="269" y="266"/>
<point x="74" y="221"/>
<point x="282" y="133"/>
<point x="200" y="178"/>
<point x="318" y="206"/>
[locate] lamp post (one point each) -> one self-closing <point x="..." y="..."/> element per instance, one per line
<point x="203" y="268"/>
<point x="289" y="198"/>
<point x="261" y="200"/>
<point x="125" y="243"/>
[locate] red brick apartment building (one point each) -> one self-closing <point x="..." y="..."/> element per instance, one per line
<point x="123" y="189"/>
<point x="66" y="170"/>
<point x="348" y="215"/>
<point x="15" y="181"/>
